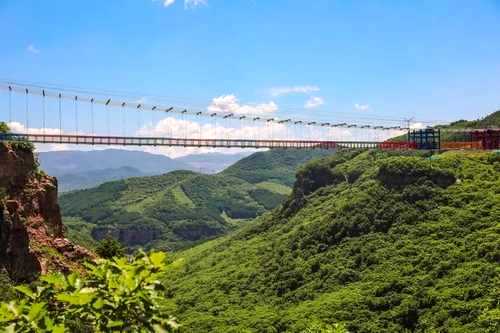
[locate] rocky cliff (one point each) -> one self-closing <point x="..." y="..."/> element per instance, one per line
<point x="32" y="238"/>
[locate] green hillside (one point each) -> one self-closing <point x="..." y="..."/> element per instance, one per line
<point x="182" y="208"/>
<point x="378" y="241"/>
<point x="274" y="165"/>
<point x="490" y="121"/>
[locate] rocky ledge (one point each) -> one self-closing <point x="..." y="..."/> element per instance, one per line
<point x="32" y="238"/>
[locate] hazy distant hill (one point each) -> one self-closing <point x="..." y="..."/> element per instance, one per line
<point x="65" y="162"/>
<point x="92" y="178"/>
<point x="211" y="162"/>
<point x="85" y="169"/>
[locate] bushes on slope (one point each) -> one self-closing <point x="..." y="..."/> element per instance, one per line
<point x="375" y="255"/>
<point x="115" y="296"/>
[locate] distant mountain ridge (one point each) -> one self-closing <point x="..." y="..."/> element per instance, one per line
<point x="72" y="162"/>
<point x="86" y="169"/>
<point x="92" y="178"/>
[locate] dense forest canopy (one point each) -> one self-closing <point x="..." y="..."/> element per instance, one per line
<point x="380" y="241"/>
<point x="183" y="208"/>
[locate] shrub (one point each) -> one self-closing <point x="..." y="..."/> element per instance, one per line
<point x="3" y="127"/>
<point x="22" y="146"/>
<point x="110" y="248"/>
<point x="114" y="296"/>
<point x="403" y="171"/>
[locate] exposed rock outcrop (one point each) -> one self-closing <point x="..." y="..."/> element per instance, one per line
<point x="32" y="240"/>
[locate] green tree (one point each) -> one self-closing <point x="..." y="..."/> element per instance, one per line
<point x="318" y="327"/>
<point x="3" y="127"/>
<point x="110" y="248"/>
<point x="114" y="296"/>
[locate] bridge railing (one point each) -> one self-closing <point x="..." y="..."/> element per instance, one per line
<point x="189" y="142"/>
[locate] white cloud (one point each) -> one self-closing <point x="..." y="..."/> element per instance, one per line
<point x="32" y="49"/>
<point x="17" y="127"/>
<point x="195" y="3"/>
<point x="230" y="104"/>
<point x="280" y="91"/>
<point x="188" y="4"/>
<point x="361" y="107"/>
<point x="417" y="125"/>
<point x="172" y="127"/>
<point x="314" y="102"/>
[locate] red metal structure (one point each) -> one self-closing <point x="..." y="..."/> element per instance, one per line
<point x="489" y="138"/>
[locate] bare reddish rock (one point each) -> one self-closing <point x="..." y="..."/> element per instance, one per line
<point x="32" y="238"/>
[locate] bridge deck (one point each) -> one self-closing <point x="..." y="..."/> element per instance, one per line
<point x="189" y="142"/>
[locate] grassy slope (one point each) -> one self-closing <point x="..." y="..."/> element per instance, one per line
<point x="391" y="244"/>
<point x="182" y="208"/>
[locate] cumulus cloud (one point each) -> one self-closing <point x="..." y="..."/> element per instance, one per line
<point x="172" y="127"/>
<point x="280" y="91"/>
<point x="17" y="127"/>
<point x="167" y="3"/>
<point x="32" y="49"/>
<point x="230" y="104"/>
<point x="175" y="128"/>
<point x="314" y="102"/>
<point x="361" y="107"/>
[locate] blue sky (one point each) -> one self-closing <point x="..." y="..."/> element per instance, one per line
<point x="432" y="60"/>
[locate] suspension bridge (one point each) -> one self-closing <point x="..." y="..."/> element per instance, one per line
<point x="51" y="115"/>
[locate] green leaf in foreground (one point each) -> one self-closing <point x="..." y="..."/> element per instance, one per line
<point x="114" y="295"/>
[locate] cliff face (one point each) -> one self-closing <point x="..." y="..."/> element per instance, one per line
<point x="31" y="231"/>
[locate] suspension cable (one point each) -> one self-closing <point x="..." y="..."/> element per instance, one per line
<point x="92" y="115"/>
<point x="60" y="115"/>
<point x="27" y="123"/>
<point x="10" y="104"/>
<point x="123" y="119"/>
<point x="86" y="98"/>
<point x="106" y="109"/>
<point x="76" y="114"/>
<point x="43" y="111"/>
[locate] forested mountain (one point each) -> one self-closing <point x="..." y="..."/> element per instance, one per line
<point x="182" y="207"/>
<point x="275" y="165"/>
<point x="84" y="169"/>
<point x="380" y="241"/>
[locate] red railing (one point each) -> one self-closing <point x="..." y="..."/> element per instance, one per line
<point x="461" y="145"/>
<point x="396" y="145"/>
